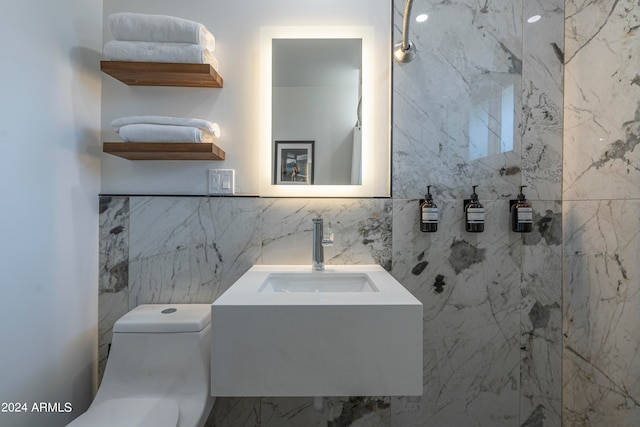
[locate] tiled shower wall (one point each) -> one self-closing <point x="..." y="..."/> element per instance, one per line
<point x="601" y="303"/>
<point x="493" y="309"/>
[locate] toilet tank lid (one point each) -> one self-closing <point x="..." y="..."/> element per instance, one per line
<point x="165" y="318"/>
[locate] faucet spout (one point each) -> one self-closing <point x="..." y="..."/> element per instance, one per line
<point x="319" y="242"/>
<point x="318" y="249"/>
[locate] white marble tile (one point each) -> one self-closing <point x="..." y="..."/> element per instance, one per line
<point x="449" y="99"/>
<point x="113" y="280"/>
<point x="190" y="250"/>
<point x="291" y="412"/>
<point x="542" y="109"/>
<point x="600" y="310"/>
<point x="113" y="243"/>
<point x="602" y="101"/>
<point x="362" y="230"/>
<point x="235" y="412"/>
<point x="541" y="318"/>
<point x="471" y="347"/>
<point x="335" y="412"/>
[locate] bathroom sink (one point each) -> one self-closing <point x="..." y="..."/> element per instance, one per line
<point x="318" y="282"/>
<point x="349" y="330"/>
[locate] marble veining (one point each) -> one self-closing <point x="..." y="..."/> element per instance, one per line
<point x="448" y="100"/>
<point x="601" y="227"/>
<point x="542" y="114"/>
<point x="602" y="110"/>
<point x="113" y="283"/>
<point x="600" y="312"/>
<point x="190" y="250"/>
<point x="362" y="230"/>
<point x="471" y="323"/>
<point x="541" y="318"/>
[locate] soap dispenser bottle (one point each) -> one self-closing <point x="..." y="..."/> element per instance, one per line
<point x="521" y="214"/>
<point x="474" y="214"/>
<point x="428" y="213"/>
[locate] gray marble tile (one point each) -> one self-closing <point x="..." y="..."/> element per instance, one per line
<point x="235" y="412"/>
<point x="600" y="310"/>
<point x="360" y="412"/>
<point x="113" y="280"/>
<point x="292" y="412"/>
<point x="602" y="105"/>
<point x="449" y="101"/>
<point x="542" y="103"/>
<point x="113" y="243"/>
<point x="469" y="285"/>
<point x="190" y="249"/>
<point x="541" y="318"/>
<point x="362" y="230"/>
<point x="335" y="412"/>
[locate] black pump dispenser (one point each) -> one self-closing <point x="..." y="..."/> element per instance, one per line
<point x="521" y="214"/>
<point x="428" y="213"/>
<point x="474" y="214"/>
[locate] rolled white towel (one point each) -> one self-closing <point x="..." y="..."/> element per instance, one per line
<point x="129" y="26"/>
<point x="117" y="50"/>
<point x="205" y="125"/>
<point x="144" y="132"/>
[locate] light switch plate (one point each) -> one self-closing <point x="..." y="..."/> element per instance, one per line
<point x="222" y="181"/>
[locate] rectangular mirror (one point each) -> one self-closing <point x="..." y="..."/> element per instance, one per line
<point x="315" y="95"/>
<point x="317" y="112"/>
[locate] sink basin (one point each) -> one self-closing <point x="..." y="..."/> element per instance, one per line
<point x="349" y="330"/>
<point x="328" y="282"/>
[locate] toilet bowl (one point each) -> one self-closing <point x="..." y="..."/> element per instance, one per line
<point x="158" y="370"/>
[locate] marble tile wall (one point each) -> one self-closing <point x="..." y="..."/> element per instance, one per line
<point x="191" y="249"/>
<point x="601" y="303"/>
<point x="492" y="301"/>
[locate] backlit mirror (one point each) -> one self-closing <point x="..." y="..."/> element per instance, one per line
<point x="317" y="107"/>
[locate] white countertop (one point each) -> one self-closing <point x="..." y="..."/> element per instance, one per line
<point x="245" y="291"/>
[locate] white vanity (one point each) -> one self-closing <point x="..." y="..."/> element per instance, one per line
<point x="348" y="330"/>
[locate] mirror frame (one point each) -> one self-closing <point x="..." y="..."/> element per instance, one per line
<point x="267" y="187"/>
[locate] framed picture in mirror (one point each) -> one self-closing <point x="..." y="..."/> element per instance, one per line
<point x="293" y="162"/>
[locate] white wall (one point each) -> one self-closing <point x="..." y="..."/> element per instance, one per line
<point x="236" y="107"/>
<point x="328" y="120"/>
<point x="49" y="183"/>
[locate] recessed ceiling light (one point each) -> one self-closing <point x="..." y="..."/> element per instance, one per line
<point x="422" y="17"/>
<point x="534" y="18"/>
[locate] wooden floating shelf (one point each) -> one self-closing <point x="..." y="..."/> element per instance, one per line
<point x="162" y="74"/>
<point x="164" y="150"/>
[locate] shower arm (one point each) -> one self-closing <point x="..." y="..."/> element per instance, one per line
<point x="404" y="51"/>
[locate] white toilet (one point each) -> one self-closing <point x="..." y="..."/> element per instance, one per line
<point x="158" y="370"/>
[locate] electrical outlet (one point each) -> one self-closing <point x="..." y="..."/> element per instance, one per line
<point x="222" y="181"/>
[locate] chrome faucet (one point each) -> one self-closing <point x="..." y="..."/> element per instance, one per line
<point x="319" y="243"/>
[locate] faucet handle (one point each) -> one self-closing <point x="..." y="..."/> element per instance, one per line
<point x="328" y="240"/>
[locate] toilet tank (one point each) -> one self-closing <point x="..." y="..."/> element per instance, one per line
<point x="160" y="350"/>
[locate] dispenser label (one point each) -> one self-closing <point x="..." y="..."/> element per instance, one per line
<point x="475" y="215"/>
<point x="429" y="215"/>
<point x="525" y="215"/>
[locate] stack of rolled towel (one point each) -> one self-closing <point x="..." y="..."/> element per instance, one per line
<point x="165" y="129"/>
<point x="159" y="38"/>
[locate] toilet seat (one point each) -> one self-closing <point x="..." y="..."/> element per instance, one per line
<point x="131" y="412"/>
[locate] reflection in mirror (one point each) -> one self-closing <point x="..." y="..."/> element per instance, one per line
<point x="317" y="88"/>
<point x="492" y="118"/>
<point x="316" y="93"/>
